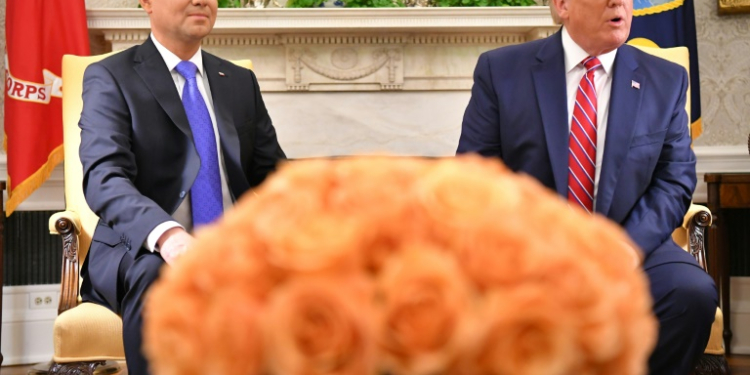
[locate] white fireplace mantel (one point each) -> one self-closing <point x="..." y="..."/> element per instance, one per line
<point x="379" y="20"/>
<point x="342" y="49"/>
<point x="340" y="81"/>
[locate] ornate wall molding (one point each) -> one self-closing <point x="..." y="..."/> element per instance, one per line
<point x="361" y="68"/>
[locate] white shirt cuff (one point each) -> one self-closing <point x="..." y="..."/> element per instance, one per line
<point x="155" y="234"/>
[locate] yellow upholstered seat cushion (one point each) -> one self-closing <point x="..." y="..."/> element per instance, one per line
<point x="88" y="332"/>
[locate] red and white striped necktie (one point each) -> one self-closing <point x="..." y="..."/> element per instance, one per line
<point x="582" y="155"/>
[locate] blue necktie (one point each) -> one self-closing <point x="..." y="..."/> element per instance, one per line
<point x="205" y="195"/>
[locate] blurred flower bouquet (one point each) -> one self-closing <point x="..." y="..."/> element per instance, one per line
<point x="381" y="265"/>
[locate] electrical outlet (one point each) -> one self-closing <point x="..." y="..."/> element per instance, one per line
<point x="44" y="300"/>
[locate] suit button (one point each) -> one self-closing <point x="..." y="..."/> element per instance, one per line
<point x="182" y="194"/>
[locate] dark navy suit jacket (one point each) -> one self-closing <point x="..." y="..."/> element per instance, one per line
<point x="137" y="149"/>
<point x="518" y="112"/>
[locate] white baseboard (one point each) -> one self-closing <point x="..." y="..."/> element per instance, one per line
<point x="27" y="326"/>
<point x="740" y="314"/>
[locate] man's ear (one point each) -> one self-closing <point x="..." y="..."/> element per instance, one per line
<point x="560" y="5"/>
<point x="145" y="4"/>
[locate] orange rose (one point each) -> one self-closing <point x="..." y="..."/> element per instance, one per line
<point x="208" y="306"/>
<point x="319" y="326"/>
<point x="426" y="313"/>
<point x="524" y="334"/>
<point x="456" y="203"/>
<point x="385" y="212"/>
<point x="292" y="217"/>
<point x="184" y="335"/>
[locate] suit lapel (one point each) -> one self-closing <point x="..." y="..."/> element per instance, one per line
<point x="220" y="81"/>
<point x="151" y="68"/>
<point x="549" y="83"/>
<point x="624" y="106"/>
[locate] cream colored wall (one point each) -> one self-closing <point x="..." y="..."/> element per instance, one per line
<point x="724" y="59"/>
<point x="724" y="52"/>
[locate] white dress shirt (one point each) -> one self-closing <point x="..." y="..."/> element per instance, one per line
<point x="574" y="71"/>
<point x="183" y="216"/>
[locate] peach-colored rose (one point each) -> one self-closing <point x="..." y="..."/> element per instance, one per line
<point x="385" y="212"/>
<point x="318" y="326"/>
<point x="300" y="233"/>
<point x="455" y="204"/>
<point x="426" y="311"/>
<point x="202" y="315"/>
<point x="525" y="334"/>
<point x="185" y="335"/>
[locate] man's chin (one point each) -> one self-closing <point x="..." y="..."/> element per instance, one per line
<point x="199" y="32"/>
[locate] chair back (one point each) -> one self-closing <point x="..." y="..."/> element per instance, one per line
<point x="73" y="68"/>
<point x="680" y="56"/>
<point x="677" y="55"/>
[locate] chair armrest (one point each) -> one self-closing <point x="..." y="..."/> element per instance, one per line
<point x="696" y="209"/>
<point x="70" y="217"/>
<point x="67" y="224"/>
<point x="697" y="219"/>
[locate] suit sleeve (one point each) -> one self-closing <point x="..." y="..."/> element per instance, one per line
<point x="109" y="166"/>
<point x="267" y="151"/>
<point x="480" y="130"/>
<point x="663" y="205"/>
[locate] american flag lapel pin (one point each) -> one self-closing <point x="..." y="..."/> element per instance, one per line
<point x="635" y="85"/>
<point x="221" y="74"/>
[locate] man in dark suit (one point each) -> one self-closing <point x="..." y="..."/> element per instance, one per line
<point x="546" y="108"/>
<point x="170" y="137"/>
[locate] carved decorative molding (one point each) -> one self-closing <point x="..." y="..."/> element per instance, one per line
<point x="360" y="67"/>
<point x="136" y="37"/>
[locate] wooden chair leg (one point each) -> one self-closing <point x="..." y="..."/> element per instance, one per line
<point x="77" y="368"/>
<point x="710" y="364"/>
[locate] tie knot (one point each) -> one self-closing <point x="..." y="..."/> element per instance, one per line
<point x="591" y="63"/>
<point x="186" y="69"/>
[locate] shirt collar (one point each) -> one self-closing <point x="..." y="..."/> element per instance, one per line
<point x="574" y="54"/>
<point x="172" y="60"/>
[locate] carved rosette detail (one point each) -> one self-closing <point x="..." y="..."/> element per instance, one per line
<point x="344" y="58"/>
<point x="69" y="238"/>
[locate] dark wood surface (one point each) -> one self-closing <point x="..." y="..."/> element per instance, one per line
<point x="726" y="191"/>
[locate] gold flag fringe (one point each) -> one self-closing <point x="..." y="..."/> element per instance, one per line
<point x="696" y="128"/>
<point x="658" y="8"/>
<point x="19" y="193"/>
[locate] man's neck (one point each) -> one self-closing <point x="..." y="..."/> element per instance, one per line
<point x="181" y="49"/>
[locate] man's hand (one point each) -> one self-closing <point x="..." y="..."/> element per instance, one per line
<point x="173" y="243"/>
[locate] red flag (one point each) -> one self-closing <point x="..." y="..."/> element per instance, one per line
<point x="38" y="33"/>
